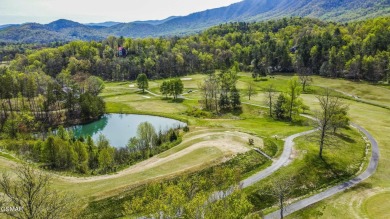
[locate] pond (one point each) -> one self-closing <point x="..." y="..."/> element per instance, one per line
<point x="119" y="128"/>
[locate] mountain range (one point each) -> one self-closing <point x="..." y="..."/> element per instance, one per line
<point x="247" y="10"/>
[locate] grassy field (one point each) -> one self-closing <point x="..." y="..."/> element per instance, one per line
<point x="125" y="98"/>
<point x="355" y="203"/>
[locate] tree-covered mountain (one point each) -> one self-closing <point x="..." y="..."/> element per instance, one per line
<point x="247" y="10"/>
<point x="7" y="25"/>
<point x="60" y="30"/>
<point x="103" y="24"/>
<point x="357" y="50"/>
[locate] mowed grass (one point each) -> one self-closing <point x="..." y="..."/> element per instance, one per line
<point x="254" y="121"/>
<point x="363" y="91"/>
<point x="377" y="205"/>
<point x="341" y="160"/>
<point x="122" y="98"/>
<point x="349" y="204"/>
<point x="195" y="160"/>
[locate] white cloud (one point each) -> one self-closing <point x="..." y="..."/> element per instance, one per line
<point x="44" y="11"/>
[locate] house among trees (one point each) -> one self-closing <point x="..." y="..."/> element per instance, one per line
<point x="121" y="51"/>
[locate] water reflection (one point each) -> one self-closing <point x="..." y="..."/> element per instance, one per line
<point x="119" y="128"/>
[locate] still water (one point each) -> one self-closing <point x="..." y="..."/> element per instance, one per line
<point x="119" y="128"/>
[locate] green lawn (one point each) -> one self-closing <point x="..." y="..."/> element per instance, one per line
<point x="377" y="205"/>
<point x="123" y="97"/>
<point x="350" y="204"/>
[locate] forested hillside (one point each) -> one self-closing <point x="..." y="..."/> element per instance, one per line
<point x="244" y="11"/>
<point x="357" y="50"/>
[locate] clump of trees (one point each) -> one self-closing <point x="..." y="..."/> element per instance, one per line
<point x="219" y="92"/>
<point x="30" y="101"/>
<point x="288" y="104"/>
<point x="62" y="151"/>
<point x="172" y="87"/>
<point x="148" y="142"/>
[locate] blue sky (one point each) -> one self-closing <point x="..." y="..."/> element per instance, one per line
<point x="85" y="11"/>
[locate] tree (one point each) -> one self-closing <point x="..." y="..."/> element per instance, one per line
<point x="332" y="113"/>
<point x="94" y="85"/>
<point x="51" y="152"/>
<point x="270" y="92"/>
<point x="82" y="157"/>
<point x="280" y="189"/>
<point x="164" y="88"/>
<point x="146" y="135"/>
<point x="142" y="82"/>
<point x="91" y="106"/>
<point x="209" y="89"/>
<point x="251" y="90"/>
<point x="106" y="159"/>
<point x="234" y="206"/>
<point x="30" y="191"/>
<point x="177" y="87"/>
<point x="340" y="118"/>
<point x="235" y="98"/>
<point x="305" y="77"/>
<point x="280" y="109"/>
<point x="293" y="92"/>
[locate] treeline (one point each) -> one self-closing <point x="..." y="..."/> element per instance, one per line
<point x="62" y="151"/>
<point x="47" y="101"/>
<point x="356" y="50"/>
<point x="8" y="51"/>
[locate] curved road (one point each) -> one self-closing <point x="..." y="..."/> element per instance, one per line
<point x="339" y="188"/>
<point x="283" y="159"/>
<point x="288" y="144"/>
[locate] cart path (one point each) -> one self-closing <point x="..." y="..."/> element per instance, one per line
<point x="338" y="188"/>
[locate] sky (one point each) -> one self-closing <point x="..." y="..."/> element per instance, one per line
<point x="87" y="11"/>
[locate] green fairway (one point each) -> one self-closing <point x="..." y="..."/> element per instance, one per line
<point x="377" y="206"/>
<point x="214" y="139"/>
<point x="349" y="204"/>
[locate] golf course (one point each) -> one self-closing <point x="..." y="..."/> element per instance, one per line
<point x="213" y="141"/>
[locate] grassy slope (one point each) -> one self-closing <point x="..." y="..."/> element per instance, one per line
<point x="120" y="98"/>
<point x="357" y="202"/>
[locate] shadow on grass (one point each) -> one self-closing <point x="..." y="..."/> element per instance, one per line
<point x="261" y="79"/>
<point x="360" y="187"/>
<point x="178" y="100"/>
<point x="346" y="138"/>
<point x="237" y="112"/>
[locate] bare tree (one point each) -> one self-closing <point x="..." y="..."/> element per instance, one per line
<point x="281" y="189"/>
<point x="251" y="90"/>
<point x="29" y="195"/>
<point x="270" y="92"/>
<point x="305" y="77"/>
<point x="332" y="115"/>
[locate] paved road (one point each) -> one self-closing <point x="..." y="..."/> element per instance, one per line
<point x="288" y="144"/>
<point x="339" y="188"/>
<point x="283" y="159"/>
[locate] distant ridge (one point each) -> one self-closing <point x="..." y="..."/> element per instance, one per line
<point x="247" y="10"/>
<point x="103" y="24"/>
